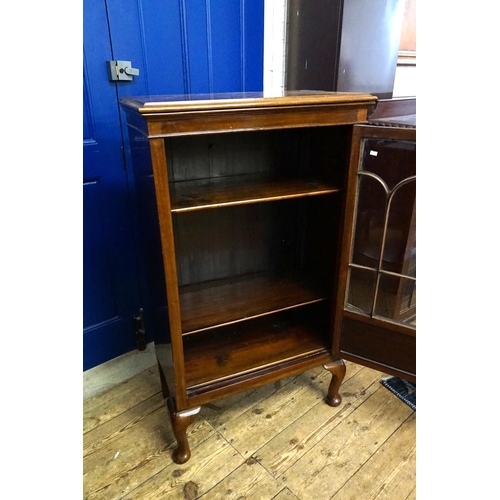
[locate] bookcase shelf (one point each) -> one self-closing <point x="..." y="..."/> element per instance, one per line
<point x="216" y="356"/>
<point x="243" y="189"/>
<point x="214" y="304"/>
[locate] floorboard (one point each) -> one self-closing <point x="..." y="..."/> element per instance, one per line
<point x="276" y="442"/>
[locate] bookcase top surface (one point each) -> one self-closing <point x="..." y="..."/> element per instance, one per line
<point x="199" y="102"/>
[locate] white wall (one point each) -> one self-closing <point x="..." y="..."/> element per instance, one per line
<point x="405" y="82"/>
<point x="274" y="46"/>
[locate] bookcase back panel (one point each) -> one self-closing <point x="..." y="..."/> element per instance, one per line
<point x="313" y="151"/>
<point x="221" y="155"/>
<point x="233" y="241"/>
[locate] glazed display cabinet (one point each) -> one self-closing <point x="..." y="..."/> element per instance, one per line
<point x="375" y="321"/>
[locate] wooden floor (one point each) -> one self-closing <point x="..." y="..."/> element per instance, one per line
<point x="280" y="441"/>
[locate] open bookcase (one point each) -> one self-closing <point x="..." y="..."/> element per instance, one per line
<point x="241" y="201"/>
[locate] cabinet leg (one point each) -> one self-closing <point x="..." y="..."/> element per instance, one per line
<point x="337" y="369"/>
<point x="180" y="421"/>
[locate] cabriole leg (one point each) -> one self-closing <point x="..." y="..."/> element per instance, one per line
<point x="337" y="369"/>
<point x="180" y="421"/>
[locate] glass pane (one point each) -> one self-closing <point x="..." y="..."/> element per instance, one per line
<point x="400" y="240"/>
<point x="370" y="214"/>
<point x="397" y="299"/>
<point x="360" y="290"/>
<point x="391" y="160"/>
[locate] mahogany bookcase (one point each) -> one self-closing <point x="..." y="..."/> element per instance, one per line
<point x="241" y="200"/>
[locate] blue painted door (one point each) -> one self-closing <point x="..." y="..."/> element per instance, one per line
<point x="110" y="276"/>
<point x="179" y="47"/>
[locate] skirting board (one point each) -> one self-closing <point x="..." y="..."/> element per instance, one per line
<point x="103" y="377"/>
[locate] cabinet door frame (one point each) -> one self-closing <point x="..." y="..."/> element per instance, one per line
<point x="387" y="331"/>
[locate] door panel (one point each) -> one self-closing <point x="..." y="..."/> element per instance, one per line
<point x="110" y="278"/>
<point x="197" y="46"/>
<point x="253" y="45"/>
<point x="227" y="45"/>
<point x="98" y="290"/>
<point x="386" y="348"/>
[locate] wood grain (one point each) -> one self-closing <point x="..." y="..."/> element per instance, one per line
<point x="214" y="304"/>
<point x="102" y="408"/>
<point x="244" y="189"/>
<point x="283" y="450"/>
<point x="285" y="494"/>
<point x="220" y="412"/>
<point x="249" y="480"/>
<point x="122" y="464"/>
<point x="212" y="461"/>
<point x="112" y="429"/>
<point x="160" y="177"/>
<point x="248" y="346"/>
<point x="363" y="449"/>
<point x="343" y="452"/>
<point x="235" y="100"/>
<point x="408" y="40"/>
<point x="412" y="495"/>
<point x="254" y="428"/>
<point x="389" y="473"/>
